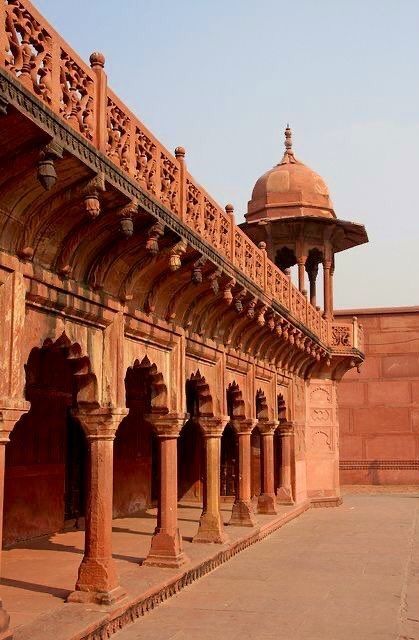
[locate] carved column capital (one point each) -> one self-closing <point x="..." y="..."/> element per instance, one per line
<point x="100" y="423"/>
<point x="267" y="427"/>
<point x="11" y="410"/>
<point x="211" y="426"/>
<point x="243" y="425"/>
<point x="168" y="425"/>
<point x="286" y="429"/>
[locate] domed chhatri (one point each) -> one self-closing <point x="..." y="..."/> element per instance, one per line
<point x="291" y="213"/>
<point x="290" y="189"/>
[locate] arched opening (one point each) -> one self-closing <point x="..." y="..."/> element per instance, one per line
<point x="256" y="444"/>
<point x="229" y="443"/>
<point x="314" y="259"/>
<point x="256" y="462"/>
<point x="190" y="443"/>
<point x="229" y="462"/>
<point x="45" y="472"/>
<point x="286" y="260"/>
<point x="136" y="466"/>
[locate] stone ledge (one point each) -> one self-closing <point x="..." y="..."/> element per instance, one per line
<point x="81" y="622"/>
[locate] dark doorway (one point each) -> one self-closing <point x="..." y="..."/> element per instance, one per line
<point x="75" y="470"/>
<point x="229" y="462"/>
<point x="256" y="462"/>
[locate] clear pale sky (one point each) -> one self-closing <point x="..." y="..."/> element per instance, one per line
<point x="223" y="77"/>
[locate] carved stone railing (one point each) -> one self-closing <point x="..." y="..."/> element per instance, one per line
<point x="34" y="53"/>
<point x="345" y="336"/>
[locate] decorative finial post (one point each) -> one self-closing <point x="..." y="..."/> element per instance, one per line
<point x="288" y="139"/>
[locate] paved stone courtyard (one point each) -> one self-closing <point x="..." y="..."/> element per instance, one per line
<point x="333" y="574"/>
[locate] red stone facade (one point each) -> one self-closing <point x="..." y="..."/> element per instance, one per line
<point x="379" y="407"/>
<point x="150" y="352"/>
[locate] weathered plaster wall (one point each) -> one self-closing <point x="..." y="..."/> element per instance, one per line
<point x="379" y="407"/>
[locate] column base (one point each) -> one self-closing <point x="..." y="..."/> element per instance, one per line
<point x="266" y="503"/>
<point x="97" y="582"/>
<point x="98" y="597"/>
<point x="166" y="551"/>
<point x="242" y="515"/>
<point x="211" y="529"/>
<point x="284" y="496"/>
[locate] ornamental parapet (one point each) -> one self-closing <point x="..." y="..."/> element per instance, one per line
<point x="36" y="56"/>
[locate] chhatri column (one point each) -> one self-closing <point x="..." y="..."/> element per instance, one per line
<point x="284" y="492"/>
<point x="10" y="413"/>
<point x="166" y="543"/>
<point x="211" y="527"/>
<point x="267" y="498"/>
<point x="301" y="272"/>
<point x="327" y="285"/>
<point x="242" y="514"/>
<point x="97" y="579"/>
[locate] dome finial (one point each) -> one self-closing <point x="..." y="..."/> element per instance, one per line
<point x="288" y="138"/>
<point x="289" y="153"/>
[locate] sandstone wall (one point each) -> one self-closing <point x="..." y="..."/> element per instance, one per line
<point x="379" y="407"/>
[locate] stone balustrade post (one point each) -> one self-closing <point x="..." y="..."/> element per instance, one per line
<point x="284" y="492"/>
<point x="166" y="544"/>
<point x="211" y="527"/>
<point x="11" y="410"/>
<point x="242" y="514"/>
<point x="267" y="498"/>
<point x="97" y="579"/>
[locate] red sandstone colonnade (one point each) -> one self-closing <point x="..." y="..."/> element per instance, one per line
<point x="61" y="409"/>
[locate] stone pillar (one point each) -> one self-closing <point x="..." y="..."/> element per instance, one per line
<point x="242" y="514"/>
<point x="97" y="580"/>
<point x="301" y="272"/>
<point x="166" y="544"/>
<point x="10" y="412"/>
<point x="211" y="527"/>
<point x="267" y="498"/>
<point x="327" y="284"/>
<point x="284" y="492"/>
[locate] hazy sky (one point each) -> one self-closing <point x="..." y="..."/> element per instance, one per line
<point x="223" y="77"/>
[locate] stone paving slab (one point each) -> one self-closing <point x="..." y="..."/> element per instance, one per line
<point x="39" y="575"/>
<point x="350" y="573"/>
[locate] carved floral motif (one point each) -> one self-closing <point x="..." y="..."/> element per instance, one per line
<point x="77" y="90"/>
<point x="118" y="124"/>
<point x="169" y="183"/>
<point x="28" y="50"/>
<point x="145" y="161"/>
<point x="341" y="336"/>
<point x="193" y="209"/>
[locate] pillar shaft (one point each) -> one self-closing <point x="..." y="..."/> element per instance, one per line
<point x="166" y="544"/>
<point x="211" y="527"/>
<point x="5" y="633"/>
<point x="11" y="411"/>
<point x="327" y="284"/>
<point x="284" y="493"/>
<point x="97" y="580"/>
<point x="301" y="273"/>
<point x="267" y="498"/>
<point x="242" y="513"/>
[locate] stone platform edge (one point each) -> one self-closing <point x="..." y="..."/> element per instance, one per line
<point x="105" y="624"/>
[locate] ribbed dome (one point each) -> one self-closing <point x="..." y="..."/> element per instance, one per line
<point x="290" y="189"/>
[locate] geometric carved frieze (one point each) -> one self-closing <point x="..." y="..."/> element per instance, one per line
<point x="320" y="395"/>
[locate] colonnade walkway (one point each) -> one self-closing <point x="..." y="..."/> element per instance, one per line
<point x="38" y="575"/>
<point x="334" y="574"/>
